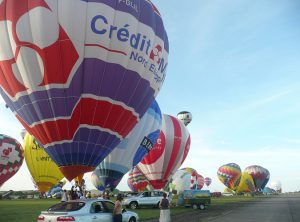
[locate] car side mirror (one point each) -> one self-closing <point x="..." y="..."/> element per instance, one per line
<point x="124" y="210"/>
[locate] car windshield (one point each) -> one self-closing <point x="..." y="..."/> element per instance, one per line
<point x="66" y="206"/>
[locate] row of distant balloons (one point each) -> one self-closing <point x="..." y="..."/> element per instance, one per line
<point x="157" y="143"/>
<point x="186" y="178"/>
<point x="253" y="178"/>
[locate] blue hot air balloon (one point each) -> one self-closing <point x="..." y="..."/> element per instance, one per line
<point x="130" y="151"/>
<point x="80" y="74"/>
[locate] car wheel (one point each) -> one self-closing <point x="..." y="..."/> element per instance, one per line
<point x="201" y="206"/>
<point x="132" y="219"/>
<point x="195" y="206"/>
<point x="133" y="205"/>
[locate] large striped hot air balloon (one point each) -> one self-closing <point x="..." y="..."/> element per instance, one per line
<point x="131" y="150"/>
<point x="259" y="175"/>
<point x="44" y="172"/>
<point x="168" y="154"/>
<point x="80" y="74"/>
<point x="11" y="157"/>
<point x="230" y="175"/>
<point x="137" y="181"/>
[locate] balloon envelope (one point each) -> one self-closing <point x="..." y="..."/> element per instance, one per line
<point x="207" y="181"/>
<point x="230" y="175"/>
<point x="44" y="172"/>
<point x="259" y="175"/>
<point x="180" y="181"/>
<point x="185" y="117"/>
<point x="80" y="74"/>
<point x="168" y="153"/>
<point x="11" y="157"/>
<point x="246" y="184"/>
<point x="137" y="181"/>
<point x="131" y="150"/>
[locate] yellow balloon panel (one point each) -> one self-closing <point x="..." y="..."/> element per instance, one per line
<point x="246" y="184"/>
<point x="45" y="173"/>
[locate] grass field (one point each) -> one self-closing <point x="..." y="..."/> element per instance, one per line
<point x="28" y="210"/>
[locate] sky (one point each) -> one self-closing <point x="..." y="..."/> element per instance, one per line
<point x="234" y="64"/>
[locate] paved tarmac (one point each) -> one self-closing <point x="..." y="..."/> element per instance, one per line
<point x="282" y="208"/>
<point x="276" y="209"/>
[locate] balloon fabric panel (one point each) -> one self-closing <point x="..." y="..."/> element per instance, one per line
<point x="11" y="157"/>
<point x="44" y="172"/>
<point x="167" y="154"/>
<point x="131" y="150"/>
<point x="79" y="84"/>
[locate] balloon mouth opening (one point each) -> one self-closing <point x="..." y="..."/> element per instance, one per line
<point x="158" y="184"/>
<point x="70" y="172"/>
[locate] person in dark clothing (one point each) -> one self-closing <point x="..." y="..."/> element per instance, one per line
<point x="164" y="209"/>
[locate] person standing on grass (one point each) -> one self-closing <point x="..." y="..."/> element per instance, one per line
<point x="117" y="212"/>
<point x="164" y="206"/>
<point x="64" y="196"/>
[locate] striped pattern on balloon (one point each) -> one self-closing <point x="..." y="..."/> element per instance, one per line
<point x="168" y="153"/>
<point x="230" y="175"/>
<point x="79" y="84"/>
<point x="131" y="150"/>
<point x="137" y="181"/>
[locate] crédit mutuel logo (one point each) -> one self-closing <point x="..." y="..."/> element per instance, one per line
<point x="144" y="51"/>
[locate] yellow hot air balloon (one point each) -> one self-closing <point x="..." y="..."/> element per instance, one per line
<point x="246" y="185"/>
<point x="45" y="173"/>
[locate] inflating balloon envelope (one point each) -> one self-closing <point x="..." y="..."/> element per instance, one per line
<point x="79" y="75"/>
<point x="168" y="153"/>
<point x="11" y="157"/>
<point x="230" y="175"/>
<point x="131" y="150"/>
<point x="44" y="172"/>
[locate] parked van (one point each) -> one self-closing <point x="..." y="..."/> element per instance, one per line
<point x="198" y="199"/>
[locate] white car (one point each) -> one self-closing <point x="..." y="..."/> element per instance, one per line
<point x="89" y="210"/>
<point x="147" y="198"/>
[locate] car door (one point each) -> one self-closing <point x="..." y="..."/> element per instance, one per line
<point x="144" y="198"/>
<point x="98" y="213"/>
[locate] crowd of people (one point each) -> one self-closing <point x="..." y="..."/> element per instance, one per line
<point x="78" y="191"/>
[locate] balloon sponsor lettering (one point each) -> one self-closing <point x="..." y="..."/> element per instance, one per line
<point x="140" y="43"/>
<point x="129" y="4"/>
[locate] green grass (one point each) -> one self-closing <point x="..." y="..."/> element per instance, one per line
<point x="23" y="210"/>
<point x="28" y="210"/>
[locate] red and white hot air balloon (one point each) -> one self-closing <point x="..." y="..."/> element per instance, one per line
<point x="11" y="157"/>
<point x="168" y="153"/>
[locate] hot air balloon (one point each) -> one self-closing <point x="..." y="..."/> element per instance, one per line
<point x="207" y="181"/>
<point x="259" y="175"/>
<point x="200" y="182"/>
<point x="44" y="172"/>
<point x="230" y="175"/>
<point x="276" y="185"/>
<point x="137" y="181"/>
<point x="246" y="184"/>
<point x="11" y="157"/>
<point x="131" y="150"/>
<point x="180" y="181"/>
<point x="168" y="153"/>
<point x="79" y="75"/>
<point x="185" y="117"/>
